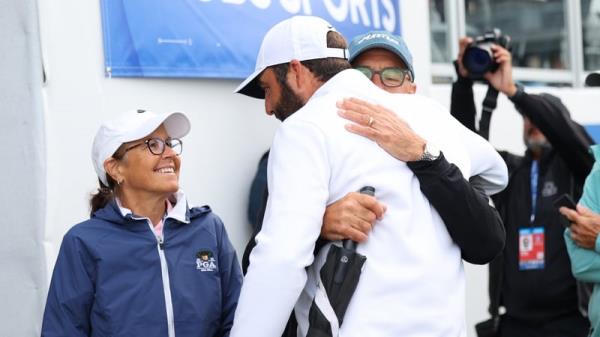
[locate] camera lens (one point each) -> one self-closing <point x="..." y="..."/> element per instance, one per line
<point x="478" y="60"/>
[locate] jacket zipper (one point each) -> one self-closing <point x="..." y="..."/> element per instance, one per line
<point x="164" y="269"/>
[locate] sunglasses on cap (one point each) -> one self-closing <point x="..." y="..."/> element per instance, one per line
<point x="390" y="77"/>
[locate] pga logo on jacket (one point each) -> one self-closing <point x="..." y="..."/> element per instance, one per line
<point x="205" y="261"/>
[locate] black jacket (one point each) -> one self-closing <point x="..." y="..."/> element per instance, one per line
<point x="536" y="295"/>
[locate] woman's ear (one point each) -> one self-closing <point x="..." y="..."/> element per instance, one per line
<point x="113" y="169"/>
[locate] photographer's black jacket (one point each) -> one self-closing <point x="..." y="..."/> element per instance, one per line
<point x="535" y="295"/>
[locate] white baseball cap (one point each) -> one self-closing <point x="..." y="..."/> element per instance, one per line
<point x="297" y="38"/>
<point x="129" y="126"/>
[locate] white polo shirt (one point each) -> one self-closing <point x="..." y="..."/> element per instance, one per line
<point x="413" y="281"/>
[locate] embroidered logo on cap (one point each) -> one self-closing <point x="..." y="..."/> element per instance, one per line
<point x="372" y="36"/>
<point x="205" y="261"/>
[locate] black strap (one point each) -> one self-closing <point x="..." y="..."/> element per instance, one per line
<point x="489" y="105"/>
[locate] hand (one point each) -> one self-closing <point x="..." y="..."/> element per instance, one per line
<point x="462" y="45"/>
<point x="382" y="126"/>
<point x="585" y="226"/>
<point x="351" y="217"/>
<point x="502" y="79"/>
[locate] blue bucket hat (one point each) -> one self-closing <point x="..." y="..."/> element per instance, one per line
<point x="385" y="40"/>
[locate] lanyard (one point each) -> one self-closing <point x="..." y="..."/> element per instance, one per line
<point x="534" y="185"/>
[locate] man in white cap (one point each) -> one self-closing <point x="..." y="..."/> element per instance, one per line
<point x="413" y="280"/>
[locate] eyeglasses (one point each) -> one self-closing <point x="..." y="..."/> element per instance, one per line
<point x="157" y="145"/>
<point x="390" y="77"/>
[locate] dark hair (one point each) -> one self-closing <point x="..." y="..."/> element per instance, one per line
<point x="323" y="69"/>
<point x="105" y="194"/>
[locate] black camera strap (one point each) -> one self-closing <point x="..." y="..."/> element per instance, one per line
<point x="489" y="105"/>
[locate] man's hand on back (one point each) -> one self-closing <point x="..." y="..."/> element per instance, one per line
<point x="382" y="126"/>
<point x="351" y="217"/>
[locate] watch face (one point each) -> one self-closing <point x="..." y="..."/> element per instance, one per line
<point x="431" y="152"/>
<point x="435" y="152"/>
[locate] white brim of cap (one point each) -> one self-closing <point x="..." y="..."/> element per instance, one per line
<point x="176" y="124"/>
<point x="250" y="85"/>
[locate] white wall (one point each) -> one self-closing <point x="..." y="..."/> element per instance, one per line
<point x="415" y="31"/>
<point x="23" y="171"/>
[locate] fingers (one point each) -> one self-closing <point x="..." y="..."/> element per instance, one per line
<point x="356" y="105"/>
<point x="352" y="227"/>
<point x="346" y="232"/>
<point x="361" y="210"/>
<point x="362" y="119"/>
<point x="371" y="206"/>
<point x="575" y="229"/>
<point x="503" y="59"/>
<point x="569" y="213"/>
<point x="501" y="55"/>
<point x="575" y="237"/>
<point x="464" y="41"/>
<point x="367" y="114"/>
<point x="584" y="210"/>
<point x="359" y="106"/>
<point x="358" y="228"/>
<point x="355" y="235"/>
<point x="582" y="217"/>
<point x="364" y="131"/>
<point x="499" y="49"/>
<point x="462" y="45"/>
<point x="363" y="114"/>
<point x="382" y="126"/>
<point x="331" y="236"/>
<point x="351" y="217"/>
<point x="582" y="240"/>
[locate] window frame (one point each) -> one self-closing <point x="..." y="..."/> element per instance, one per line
<point x="575" y="76"/>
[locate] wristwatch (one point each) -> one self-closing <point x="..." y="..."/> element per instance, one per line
<point x="520" y="91"/>
<point x="430" y="152"/>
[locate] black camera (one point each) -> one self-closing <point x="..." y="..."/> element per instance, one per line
<point x="478" y="57"/>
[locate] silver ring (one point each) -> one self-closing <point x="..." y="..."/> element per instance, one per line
<point x="371" y="120"/>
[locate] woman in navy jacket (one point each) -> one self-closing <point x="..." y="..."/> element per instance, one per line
<point x="144" y="264"/>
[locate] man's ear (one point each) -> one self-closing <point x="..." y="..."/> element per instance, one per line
<point x="412" y="88"/>
<point x="113" y="169"/>
<point x="295" y="75"/>
<point x="301" y="80"/>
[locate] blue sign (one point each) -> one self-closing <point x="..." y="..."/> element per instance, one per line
<point x="217" y="38"/>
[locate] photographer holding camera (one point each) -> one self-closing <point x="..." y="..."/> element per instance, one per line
<point x="532" y="277"/>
